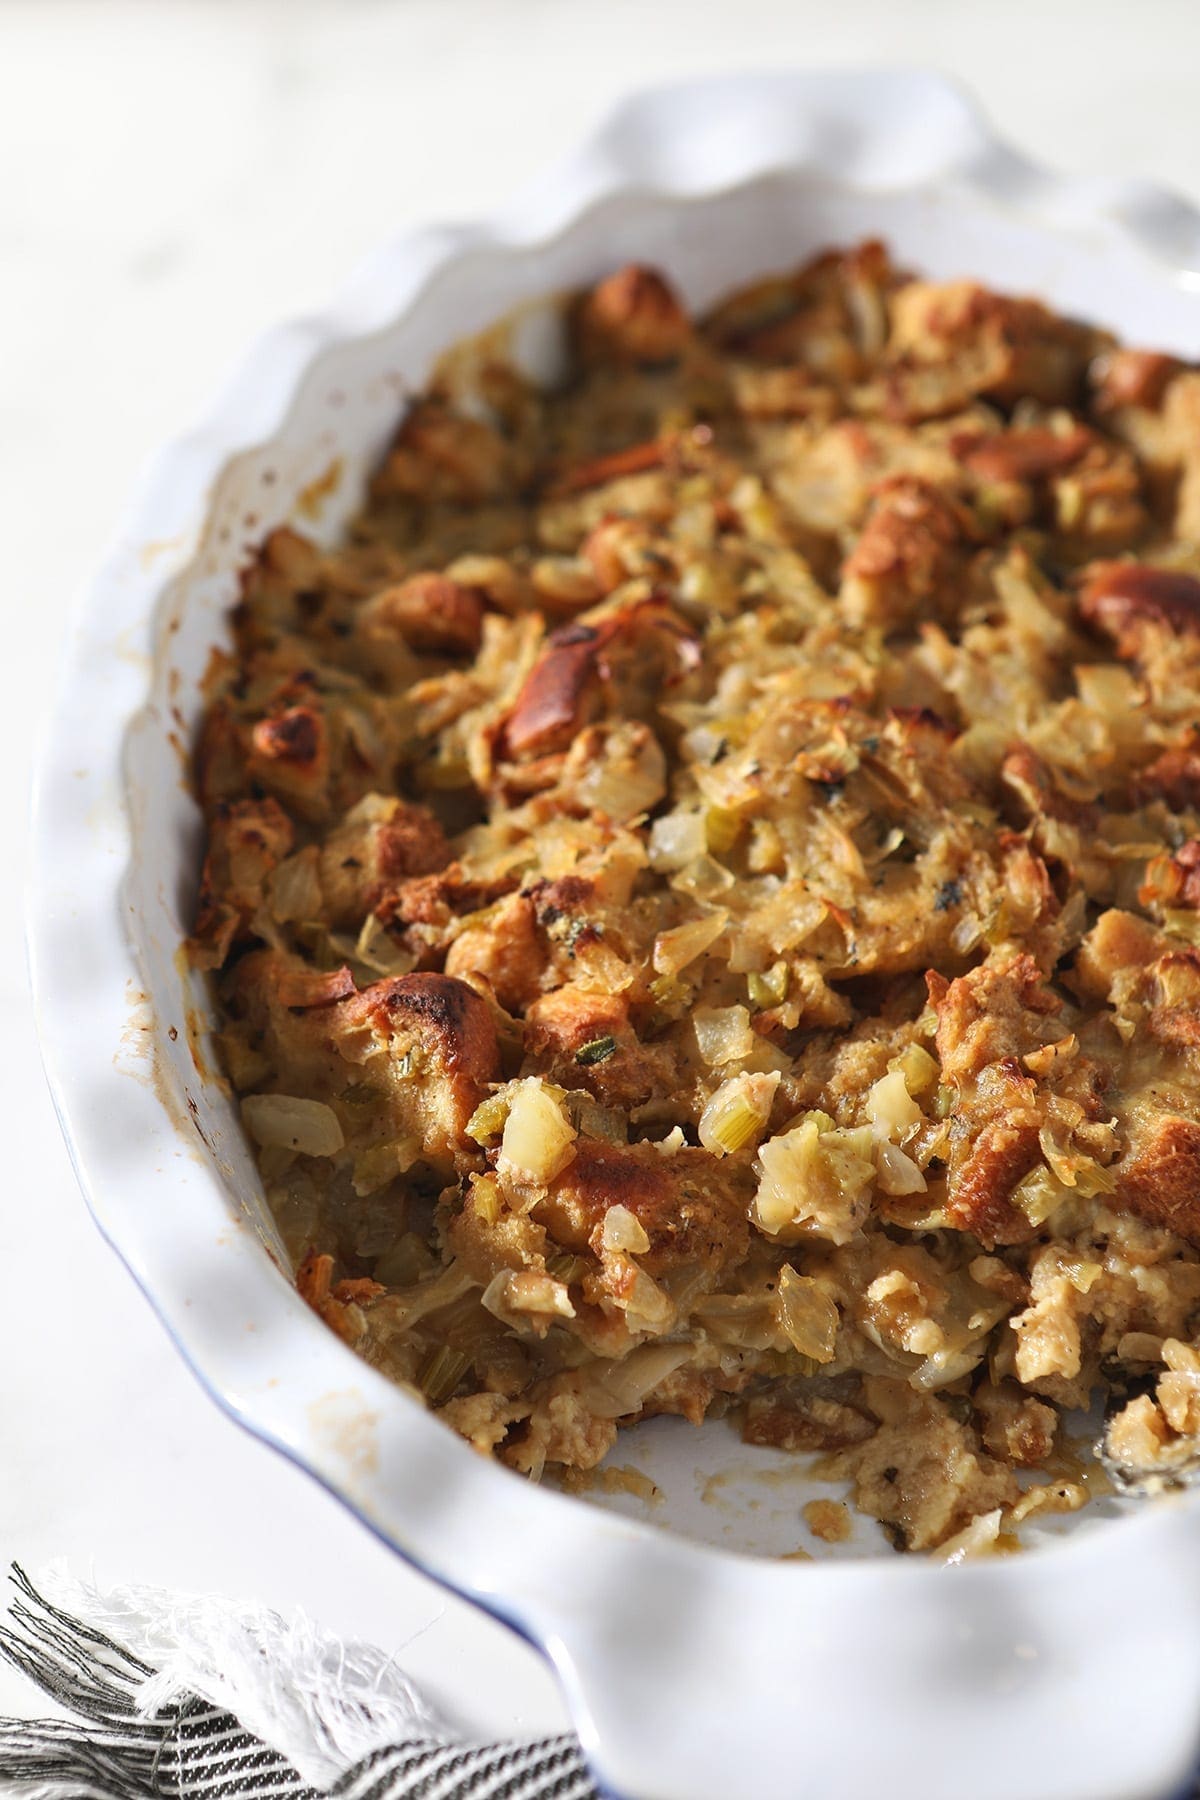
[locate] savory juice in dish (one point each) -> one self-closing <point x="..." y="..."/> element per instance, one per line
<point x="703" y="891"/>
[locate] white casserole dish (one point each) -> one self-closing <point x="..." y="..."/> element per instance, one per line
<point x="693" y="1673"/>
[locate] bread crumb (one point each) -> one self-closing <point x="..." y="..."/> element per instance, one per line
<point x="828" y="1520"/>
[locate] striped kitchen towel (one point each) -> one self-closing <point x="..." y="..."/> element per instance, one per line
<point x="199" y="1699"/>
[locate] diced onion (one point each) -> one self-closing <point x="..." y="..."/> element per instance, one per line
<point x="704" y="743"/>
<point x="627" y="778"/>
<point x="1111" y="692"/>
<point x="1039" y="1195"/>
<point x="947" y="1365"/>
<point x="894" y="1113"/>
<point x="609" y="1390"/>
<point x="539" y="1139"/>
<point x="816" y="1182"/>
<point x="296" y="887"/>
<point x="1140" y="1347"/>
<point x="748" y="1321"/>
<point x="433" y="1295"/>
<point x="677" y="839"/>
<point x="898" y="1173"/>
<point x="967" y="933"/>
<point x="1073" y="1170"/>
<point x="623" y="1230"/>
<point x="525" y="1292"/>
<point x="808" y="1316"/>
<point x="379" y="952"/>
<point x="646" y="1306"/>
<point x="723" y="1033"/>
<point x="704" y="879"/>
<point x="675" y="949"/>
<point x="285" y="1122"/>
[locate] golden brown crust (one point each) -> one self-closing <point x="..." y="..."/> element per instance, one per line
<point x="289" y="754"/>
<point x="1127" y="601"/>
<point x="368" y="861"/>
<point x="1131" y="378"/>
<point x="508" y="955"/>
<point x="1173" y="879"/>
<point x="1174" y="776"/>
<point x="439" y="454"/>
<point x="994" y="1027"/>
<point x="1160" y="1176"/>
<point x="559" y="692"/>
<point x="615" y="550"/>
<point x="691" y="1212"/>
<point x="634" y="314"/>
<point x="1118" y="941"/>
<point x="423" y="1045"/>
<point x="910" y="557"/>
<point x="983" y="1177"/>
<point x="247" y="840"/>
<point x="991" y="1016"/>
<point x="300" y="988"/>
<point x="446" y="1016"/>
<point x="1038" y="795"/>
<point x="957" y="341"/>
<point x="586" y="668"/>
<point x="578" y="1037"/>
<point x="1022" y="455"/>
<point x="430" y="612"/>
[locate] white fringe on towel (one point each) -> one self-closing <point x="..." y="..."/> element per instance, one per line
<point x="322" y="1704"/>
<point x="183" y="1698"/>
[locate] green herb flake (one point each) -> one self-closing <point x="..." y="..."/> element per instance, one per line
<point x="597" y="1051"/>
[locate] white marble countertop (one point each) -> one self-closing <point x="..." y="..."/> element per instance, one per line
<point x="175" y="177"/>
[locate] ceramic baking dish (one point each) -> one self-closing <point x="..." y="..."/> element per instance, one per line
<point x="692" y="1672"/>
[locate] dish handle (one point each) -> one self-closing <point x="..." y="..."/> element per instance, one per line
<point x="1073" y="1676"/>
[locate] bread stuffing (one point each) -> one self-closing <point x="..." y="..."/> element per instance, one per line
<point x="702" y="890"/>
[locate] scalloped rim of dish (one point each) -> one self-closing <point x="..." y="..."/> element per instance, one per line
<point x="675" y="1657"/>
